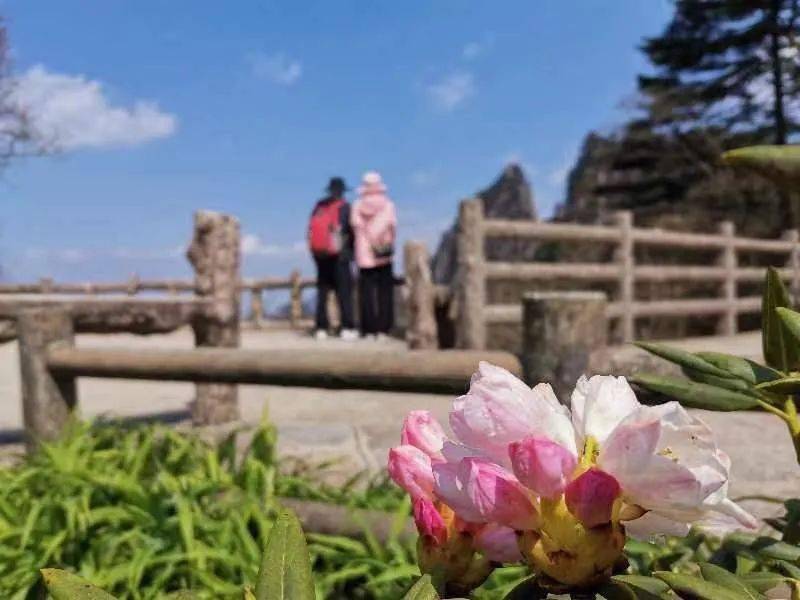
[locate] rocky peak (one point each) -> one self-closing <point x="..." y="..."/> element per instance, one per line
<point x="508" y="197"/>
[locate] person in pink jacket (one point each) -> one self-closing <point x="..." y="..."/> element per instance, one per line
<point x="374" y="224"/>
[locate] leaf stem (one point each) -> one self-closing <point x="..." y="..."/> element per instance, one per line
<point x="775" y="411"/>
<point x="793" y="422"/>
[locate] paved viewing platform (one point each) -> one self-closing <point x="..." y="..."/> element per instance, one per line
<point x="356" y="428"/>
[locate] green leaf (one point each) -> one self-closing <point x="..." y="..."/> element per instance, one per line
<point x="645" y="588"/>
<point x="728" y="580"/>
<point x="780" y="350"/>
<point x="699" y="588"/>
<point x="285" y="572"/>
<point x="66" y="586"/>
<point x="422" y="590"/>
<point x="616" y="590"/>
<point x="790" y="320"/>
<point x="741" y="368"/>
<point x="763" y="582"/>
<point x="781" y="164"/>
<point x="694" y="394"/>
<point x="683" y="358"/>
<point x="785" y="385"/>
<point x="728" y="383"/>
<point x="765" y="546"/>
<point x="791" y="570"/>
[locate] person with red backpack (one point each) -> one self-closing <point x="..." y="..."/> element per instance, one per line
<point x="330" y="239"/>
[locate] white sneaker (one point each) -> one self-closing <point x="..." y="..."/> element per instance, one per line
<point x="320" y="334"/>
<point x="382" y="337"/>
<point x="348" y="335"/>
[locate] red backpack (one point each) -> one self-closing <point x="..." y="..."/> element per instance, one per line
<point x="325" y="229"/>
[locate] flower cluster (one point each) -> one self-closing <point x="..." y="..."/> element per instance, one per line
<point x="526" y="477"/>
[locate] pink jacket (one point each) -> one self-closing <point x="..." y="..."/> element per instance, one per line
<point x="374" y="223"/>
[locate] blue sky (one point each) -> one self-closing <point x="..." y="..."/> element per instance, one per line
<point x="163" y="107"/>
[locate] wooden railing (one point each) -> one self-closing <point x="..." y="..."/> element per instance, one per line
<point x="474" y="271"/>
<point x="50" y="363"/>
<point x="256" y="287"/>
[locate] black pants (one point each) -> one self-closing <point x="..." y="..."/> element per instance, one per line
<point x="334" y="274"/>
<point x="376" y="296"/>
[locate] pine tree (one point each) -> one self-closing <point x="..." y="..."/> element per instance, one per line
<point x="728" y="63"/>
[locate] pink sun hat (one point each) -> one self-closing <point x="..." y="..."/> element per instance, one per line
<point x="372" y="183"/>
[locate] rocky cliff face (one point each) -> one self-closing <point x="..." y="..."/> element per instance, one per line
<point x="509" y="197"/>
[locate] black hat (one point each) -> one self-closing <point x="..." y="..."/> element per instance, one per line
<point x="336" y="184"/>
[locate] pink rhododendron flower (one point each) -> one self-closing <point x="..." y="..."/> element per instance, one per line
<point x="422" y="430"/>
<point x="429" y="520"/>
<point x="569" y="482"/>
<point x="591" y="496"/>
<point x="542" y="465"/>
<point x="410" y="468"/>
<point x="450" y="534"/>
<point x="498" y="543"/>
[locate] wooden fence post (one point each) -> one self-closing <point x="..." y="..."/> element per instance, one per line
<point x="624" y="257"/>
<point x="132" y="286"/>
<point x="256" y="306"/>
<point x="728" y="261"/>
<point x="793" y="263"/>
<point x="295" y="300"/>
<point x="215" y="256"/>
<point x="471" y="277"/>
<point x="46" y="285"/>
<point x="47" y="401"/>
<point x="421" y="331"/>
<point x="560" y="332"/>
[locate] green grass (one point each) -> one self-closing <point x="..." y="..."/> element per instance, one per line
<point x="142" y="511"/>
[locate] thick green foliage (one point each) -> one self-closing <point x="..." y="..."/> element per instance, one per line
<point x="147" y="510"/>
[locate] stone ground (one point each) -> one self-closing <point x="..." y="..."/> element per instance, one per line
<point x="356" y="428"/>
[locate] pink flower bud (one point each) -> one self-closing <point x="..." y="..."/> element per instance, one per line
<point x="410" y="468"/>
<point x="423" y="431"/>
<point x="498" y="543"/>
<point x="429" y="521"/>
<point x="542" y="465"/>
<point x="497" y="495"/>
<point x="591" y="497"/>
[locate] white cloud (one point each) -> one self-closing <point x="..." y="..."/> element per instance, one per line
<point x="71" y="111"/>
<point x="277" y="68"/>
<point x="81" y="255"/>
<point x="452" y="91"/>
<point x="424" y="178"/>
<point x="476" y="48"/>
<point x="253" y="245"/>
<point x="472" y="50"/>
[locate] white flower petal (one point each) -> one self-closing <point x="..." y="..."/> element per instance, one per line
<point x="661" y="484"/>
<point x="651" y="524"/>
<point x="631" y="446"/>
<point x="500" y="409"/>
<point x="600" y="404"/>
<point x="727" y="517"/>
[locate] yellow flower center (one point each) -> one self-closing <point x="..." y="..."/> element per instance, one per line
<point x="566" y="551"/>
<point x="591" y="449"/>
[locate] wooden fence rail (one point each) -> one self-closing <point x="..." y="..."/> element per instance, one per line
<point x="256" y="287"/>
<point x="50" y="364"/>
<point x="475" y="272"/>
